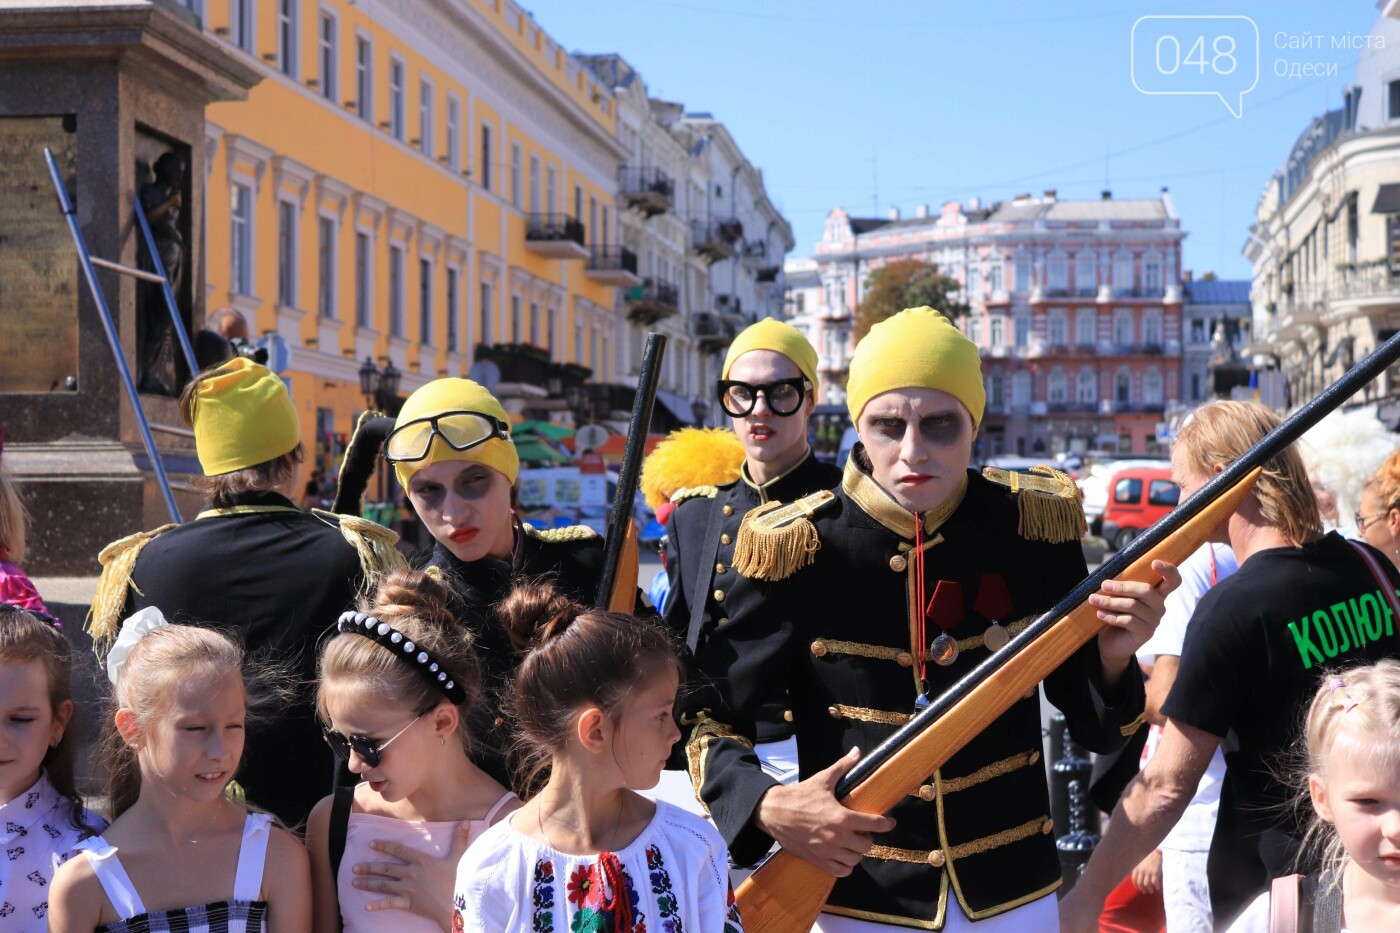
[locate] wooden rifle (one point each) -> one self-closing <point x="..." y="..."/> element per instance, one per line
<point x="786" y="893"/>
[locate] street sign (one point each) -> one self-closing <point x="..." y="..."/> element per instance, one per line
<point x="486" y="374"/>
<point x="590" y="436"/>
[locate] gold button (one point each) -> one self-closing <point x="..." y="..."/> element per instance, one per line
<point x="1032" y="758"/>
<point x="727" y="510"/>
<point x="904" y="659"/>
<point x="833" y="712"/>
<point x="927" y="792"/>
<point x="898" y="563"/>
<point x="724" y="539"/>
<point x="719" y="596"/>
<point x="819" y="648"/>
<point x="1048" y="825"/>
<point x="936" y="858"/>
<point x="787" y="715"/>
<point x="719" y="568"/>
<point x="723" y="620"/>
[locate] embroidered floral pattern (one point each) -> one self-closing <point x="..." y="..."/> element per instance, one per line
<point x="542" y="898"/>
<point x="667" y="911"/>
<point x="459" y="904"/>
<point x="732" y="922"/>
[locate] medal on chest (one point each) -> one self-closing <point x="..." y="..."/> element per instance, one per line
<point x="944" y="608"/>
<point x="994" y="604"/>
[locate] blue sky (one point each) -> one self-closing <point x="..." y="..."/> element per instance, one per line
<point x="868" y="105"/>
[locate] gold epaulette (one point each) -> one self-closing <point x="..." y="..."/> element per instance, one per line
<point x="694" y="492"/>
<point x="118" y="560"/>
<point x="1049" y="502"/>
<point x="775" y="540"/>
<point x="560" y="535"/>
<point x="373" y="542"/>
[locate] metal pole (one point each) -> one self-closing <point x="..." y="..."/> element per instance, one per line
<point x="159" y="266"/>
<point x="111" y="329"/>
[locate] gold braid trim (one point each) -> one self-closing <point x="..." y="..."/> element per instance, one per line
<point x="118" y="560"/>
<point x="1132" y="727"/>
<point x="895" y="854"/>
<point x="434" y="571"/>
<point x="775" y="540"/>
<point x="698" y="746"/>
<point x="865" y="714"/>
<point x="1048" y="501"/>
<point x="560" y="535"/>
<point x="994" y="770"/>
<point x="860" y="649"/>
<point x="1012" y="630"/>
<point x="1003" y="838"/>
<point x="373" y="542"/>
<point x="693" y="492"/>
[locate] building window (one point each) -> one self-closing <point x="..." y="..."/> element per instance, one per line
<point x="488" y="314"/>
<point x="1020" y="389"/>
<point x="1021" y="326"/>
<point x="287" y="254"/>
<point x="425" y="302"/>
<point x="515" y="174"/>
<point x="534" y="184"/>
<point x="240" y="24"/>
<point x="1123" y="274"/>
<point x="363" y="258"/>
<point x="1393" y="108"/>
<point x="1055" y="387"/>
<point x="452" y="310"/>
<point x="1123" y="387"/>
<point x="1198" y="331"/>
<point x="998" y="330"/>
<point x="578" y="342"/>
<point x="330" y="74"/>
<point x="592" y="231"/>
<point x="486" y="157"/>
<point x="549" y="182"/>
<point x="396" y="101"/>
<point x="1057" y="275"/>
<point x="995" y="393"/>
<point x="535" y="325"/>
<point x="241" y="240"/>
<point x="1058" y="327"/>
<point x="396" y="296"/>
<point x="974" y="282"/>
<point x="364" y="79"/>
<point x="1085" y="320"/>
<point x="1152" y="386"/>
<point x="425" y="118"/>
<point x="454" y="133"/>
<point x="1123" y="327"/>
<point x="1023" y="272"/>
<point x="1152" y="327"/>
<point x="287" y="37"/>
<point x="1086" y="390"/>
<point x="325" y="285"/>
<point x="1086" y="274"/>
<point x="1195" y="387"/>
<point x="606" y="227"/>
<point x="514" y="318"/>
<point x="974" y="328"/>
<point x="1152" y="277"/>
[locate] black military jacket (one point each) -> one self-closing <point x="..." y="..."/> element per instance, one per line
<point x="276" y="579"/>
<point x="572" y="560"/>
<point x="700" y="538"/>
<point x="839" y="636"/>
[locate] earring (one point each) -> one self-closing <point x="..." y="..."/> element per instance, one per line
<point x="442" y="740"/>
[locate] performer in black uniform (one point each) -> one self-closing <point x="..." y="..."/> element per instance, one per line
<point x="768" y="387"/>
<point x="891" y="591"/>
<point x="255" y="566"/>
<point x="452" y="451"/>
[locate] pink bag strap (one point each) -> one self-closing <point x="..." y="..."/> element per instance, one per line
<point x="1381" y="579"/>
<point x="1283" y="904"/>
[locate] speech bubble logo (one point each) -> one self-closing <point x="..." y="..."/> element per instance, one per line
<point x="1213" y="55"/>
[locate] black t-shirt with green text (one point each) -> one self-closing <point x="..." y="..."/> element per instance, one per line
<point x="1257" y="648"/>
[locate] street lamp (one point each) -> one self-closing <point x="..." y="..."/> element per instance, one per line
<point x="388" y="386"/>
<point x="369" y="381"/>
<point x="380" y="389"/>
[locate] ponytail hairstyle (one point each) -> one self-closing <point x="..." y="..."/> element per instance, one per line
<point x="23" y="638"/>
<point x="574" y="657"/>
<point x="162" y="660"/>
<point x="1357" y="708"/>
<point x="420" y="607"/>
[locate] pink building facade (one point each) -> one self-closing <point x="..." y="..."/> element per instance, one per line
<point x="1076" y="306"/>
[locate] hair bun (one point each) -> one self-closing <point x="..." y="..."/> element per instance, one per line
<point x="535" y="612"/>
<point x="410" y="593"/>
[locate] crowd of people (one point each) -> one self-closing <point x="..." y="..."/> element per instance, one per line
<point x="278" y="677"/>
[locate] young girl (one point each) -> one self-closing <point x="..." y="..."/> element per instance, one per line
<point x="396" y="687"/>
<point x="41" y="817"/>
<point x="16" y="589"/>
<point x="180" y="854"/>
<point x="594" y="702"/>
<point x="1352" y="737"/>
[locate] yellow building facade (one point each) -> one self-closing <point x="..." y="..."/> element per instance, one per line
<point x="411" y="179"/>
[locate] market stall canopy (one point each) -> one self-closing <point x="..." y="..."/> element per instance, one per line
<point x="534" y="450"/>
<point x="554" y="432"/>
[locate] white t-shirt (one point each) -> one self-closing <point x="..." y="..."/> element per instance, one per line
<point x="1194" y="830"/>
<point x="675" y="875"/>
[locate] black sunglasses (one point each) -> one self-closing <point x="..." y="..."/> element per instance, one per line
<point x="785" y="397"/>
<point x="368" y="749"/>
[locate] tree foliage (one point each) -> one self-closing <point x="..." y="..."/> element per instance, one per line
<point x="907" y="283"/>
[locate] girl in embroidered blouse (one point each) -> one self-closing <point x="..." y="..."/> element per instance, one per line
<point x="397" y="684"/>
<point x="180" y="853"/>
<point x="594" y="700"/>
<point x="41" y="815"/>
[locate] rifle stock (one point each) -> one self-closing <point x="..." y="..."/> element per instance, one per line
<point x="786" y="894"/>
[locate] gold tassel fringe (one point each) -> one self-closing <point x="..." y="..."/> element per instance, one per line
<point x="118" y="561"/>
<point x="775" y="540"/>
<point x="1052" y="516"/>
<point x="373" y="542"/>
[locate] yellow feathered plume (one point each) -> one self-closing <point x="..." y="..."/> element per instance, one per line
<point x="691" y="457"/>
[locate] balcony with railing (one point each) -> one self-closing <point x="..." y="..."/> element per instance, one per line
<point x="558" y="236"/>
<point x="612" y="265"/>
<point x="713" y="331"/>
<point x="714" y="240"/>
<point x="648" y="190"/>
<point x="519" y="362"/>
<point x="650" y="301"/>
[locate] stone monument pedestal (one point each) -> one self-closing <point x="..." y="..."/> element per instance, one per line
<point x="108" y="87"/>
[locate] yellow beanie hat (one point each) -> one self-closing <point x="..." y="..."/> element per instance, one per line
<point x="779" y="336"/>
<point x="242" y="416"/>
<point x="442" y="395"/>
<point x="918" y="348"/>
